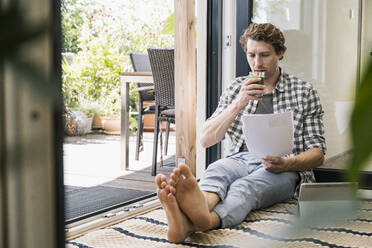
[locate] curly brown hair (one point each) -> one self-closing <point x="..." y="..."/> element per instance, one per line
<point x="266" y="32"/>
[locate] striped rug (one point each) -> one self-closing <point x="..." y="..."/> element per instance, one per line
<point x="270" y="227"/>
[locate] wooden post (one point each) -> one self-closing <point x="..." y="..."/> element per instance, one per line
<point x="185" y="81"/>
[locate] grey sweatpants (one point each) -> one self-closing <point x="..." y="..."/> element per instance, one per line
<point x="243" y="184"/>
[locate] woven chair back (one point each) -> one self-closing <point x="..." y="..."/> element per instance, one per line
<point x="162" y="67"/>
<point x="141" y="63"/>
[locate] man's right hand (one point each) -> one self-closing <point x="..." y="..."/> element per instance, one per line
<point x="249" y="89"/>
<point x="214" y="130"/>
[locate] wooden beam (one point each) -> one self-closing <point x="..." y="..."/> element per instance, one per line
<point x="185" y="80"/>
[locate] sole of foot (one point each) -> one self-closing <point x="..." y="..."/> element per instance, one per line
<point x="179" y="226"/>
<point x="189" y="197"/>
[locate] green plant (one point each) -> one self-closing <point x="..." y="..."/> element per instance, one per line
<point x="111" y="104"/>
<point x="90" y="108"/>
<point x="168" y="25"/>
<point x="73" y="13"/>
<point x="94" y="74"/>
<point x="103" y="38"/>
<point x="361" y="121"/>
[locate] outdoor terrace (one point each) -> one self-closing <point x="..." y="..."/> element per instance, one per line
<point x="94" y="179"/>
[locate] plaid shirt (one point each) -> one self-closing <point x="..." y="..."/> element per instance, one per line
<point x="290" y="94"/>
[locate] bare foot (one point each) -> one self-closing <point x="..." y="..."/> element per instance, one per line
<point x="179" y="227"/>
<point x="190" y="198"/>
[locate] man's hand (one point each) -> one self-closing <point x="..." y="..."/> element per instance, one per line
<point x="306" y="160"/>
<point x="248" y="91"/>
<point x="277" y="164"/>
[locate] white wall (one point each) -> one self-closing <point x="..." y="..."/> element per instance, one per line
<point x="201" y="70"/>
<point x="228" y="54"/>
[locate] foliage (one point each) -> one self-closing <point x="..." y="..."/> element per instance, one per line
<point x="361" y="121"/>
<point x="168" y="25"/>
<point x="94" y="74"/>
<point x="73" y="14"/>
<point x="90" y="108"/>
<point x="102" y="38"/>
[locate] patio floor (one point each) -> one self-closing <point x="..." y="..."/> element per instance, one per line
<point x="94" y="159"/>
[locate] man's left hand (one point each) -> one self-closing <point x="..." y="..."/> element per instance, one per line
<point x="276" y="164"/>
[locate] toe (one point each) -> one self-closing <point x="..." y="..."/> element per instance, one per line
<point x="158" y="180"/>
<point x="185" y="170"/>
<point x="167" y="189"/>
<point x="171" y="197"/>
<point x="177" y="171"/>
<point x="163" y="185"/>
<point x="174" y="177"/>
<point x="172" y="182"/>
<point x="172" y="190"/>
<point x="163" y="178"/>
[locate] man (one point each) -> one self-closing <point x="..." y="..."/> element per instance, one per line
<point x="231" y="187"/>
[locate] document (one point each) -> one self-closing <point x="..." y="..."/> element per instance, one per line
<point x="269" y="134"/>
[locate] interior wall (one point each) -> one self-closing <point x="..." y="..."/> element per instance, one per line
<point x="228" y="54"/>
<point x="201" y="45"/>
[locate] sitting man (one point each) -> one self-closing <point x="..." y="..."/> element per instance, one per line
<point x="233" y="186"/>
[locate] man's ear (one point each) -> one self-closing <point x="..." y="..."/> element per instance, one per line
<point x="281" y="55"/>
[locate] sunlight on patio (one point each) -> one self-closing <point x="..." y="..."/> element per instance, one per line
<point x="94" y="159"/>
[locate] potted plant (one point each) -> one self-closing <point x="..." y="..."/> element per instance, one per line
<point x="111" y="112"/>
<point x="76" y="122"/>
<point x="93" y="110"/>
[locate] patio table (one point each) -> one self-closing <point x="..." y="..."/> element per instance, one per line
<point x="126" y="78"/>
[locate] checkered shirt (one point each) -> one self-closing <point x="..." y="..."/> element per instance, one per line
<point x="290" y="94"/>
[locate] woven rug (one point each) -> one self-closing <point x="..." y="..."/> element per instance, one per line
<point x="263" y="228"/>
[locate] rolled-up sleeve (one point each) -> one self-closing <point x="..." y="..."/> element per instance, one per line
<point x="313" y="122"/>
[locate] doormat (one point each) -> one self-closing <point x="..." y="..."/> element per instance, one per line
<point x="262" y="228"/>
<point x="80" y="201"/>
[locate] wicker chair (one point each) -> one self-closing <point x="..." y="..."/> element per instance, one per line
<point x="162" y="66"/>
<point x="141" y="63"/>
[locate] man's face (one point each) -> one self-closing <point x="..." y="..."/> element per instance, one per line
<point x="261" y="56"/>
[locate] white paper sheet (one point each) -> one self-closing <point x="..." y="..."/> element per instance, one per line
<point x="269" y="134"/>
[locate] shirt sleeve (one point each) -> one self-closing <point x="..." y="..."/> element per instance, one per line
<point x="313" y="122"/>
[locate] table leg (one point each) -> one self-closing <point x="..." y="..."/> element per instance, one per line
<point x="124" y="134"/>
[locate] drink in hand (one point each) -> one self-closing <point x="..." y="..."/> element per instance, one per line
<point x="261" y="75"/>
